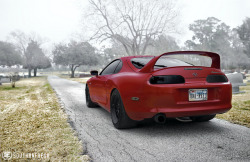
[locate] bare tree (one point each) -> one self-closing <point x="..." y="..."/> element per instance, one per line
<point x="20" y="40"/>
<point x="133" y="23"/>
<point x="162" y="44"/>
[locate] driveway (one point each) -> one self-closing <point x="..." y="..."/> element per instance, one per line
<point x="217" y="140"/>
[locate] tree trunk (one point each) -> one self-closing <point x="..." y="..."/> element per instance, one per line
<point x="35" y="71"/>
<point x="29" y="72"/>
<point x="73" y="68"/>
<point x="13" y="84"/>
<point x="72" y="73"/>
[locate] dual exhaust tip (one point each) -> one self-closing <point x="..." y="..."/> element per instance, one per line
<point x="161" y="118"/>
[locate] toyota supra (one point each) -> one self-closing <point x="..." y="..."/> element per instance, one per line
<point x="170" y="85"/>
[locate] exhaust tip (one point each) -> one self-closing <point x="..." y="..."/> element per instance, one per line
<point x="184" y="119"/>
<point x="160" y="118"/>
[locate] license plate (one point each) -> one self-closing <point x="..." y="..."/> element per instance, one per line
<point x="197" y="94"/>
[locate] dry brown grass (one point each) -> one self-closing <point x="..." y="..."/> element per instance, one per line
<point x="240" y="112"/>
<point x="31" y="121"/>
<point x="80" y="80"/>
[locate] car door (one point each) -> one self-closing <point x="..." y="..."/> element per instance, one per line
<point x="100" y="83"/>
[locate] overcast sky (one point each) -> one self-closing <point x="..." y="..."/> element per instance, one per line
<point x="57" y="20"/>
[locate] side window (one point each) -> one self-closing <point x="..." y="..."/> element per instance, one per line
<point x="118" y="68"/>
<point x="110" y="68"/>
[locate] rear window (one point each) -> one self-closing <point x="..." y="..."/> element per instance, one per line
<point x="195" y="60"/>
<point x="140" y="62"/>
<point x="163" y="62"/>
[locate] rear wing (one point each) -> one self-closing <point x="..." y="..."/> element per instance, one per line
<point x="149" y="67"/>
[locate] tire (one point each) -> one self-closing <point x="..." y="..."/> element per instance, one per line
<point x="119" y="116"/>
<point x="89" y="102"/>
<point x="203" y="118"/>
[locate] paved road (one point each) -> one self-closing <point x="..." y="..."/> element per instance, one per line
<point x="216" y="140"/>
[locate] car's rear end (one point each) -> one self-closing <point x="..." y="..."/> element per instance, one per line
<point x="190" y="93"/>
<point x="182" y="89"/>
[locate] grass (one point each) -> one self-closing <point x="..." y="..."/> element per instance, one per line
<point x="240" y="112"/>
<point x="10" y="88"/>
<point x="80" y="80"/>
<point x="32" y="121"/>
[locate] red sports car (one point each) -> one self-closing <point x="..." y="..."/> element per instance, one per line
<point x="135" y="88"/>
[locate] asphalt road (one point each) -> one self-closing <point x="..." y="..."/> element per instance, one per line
<point x="216" y="140"/>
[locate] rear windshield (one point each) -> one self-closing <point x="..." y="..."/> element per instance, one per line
<point x="140" y="62"/>
<point x="163" y="62"/>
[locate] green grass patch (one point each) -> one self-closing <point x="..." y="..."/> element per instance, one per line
<point x="48" y="88"/>
<point x="8" y="88"/>
<point x="240" y="112"/>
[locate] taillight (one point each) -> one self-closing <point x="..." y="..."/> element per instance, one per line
<point x="216" y="78"/>
<point x="167" y="79"/>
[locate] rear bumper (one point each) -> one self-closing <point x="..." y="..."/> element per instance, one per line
<point x="172" y="100"/>
<point x="174" y="113"/>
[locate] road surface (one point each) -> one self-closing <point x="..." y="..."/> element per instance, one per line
<point x="216" y="140"/>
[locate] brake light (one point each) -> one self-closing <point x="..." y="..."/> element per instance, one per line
<point x="216" y="78"/>
<point x="167" y="79"/>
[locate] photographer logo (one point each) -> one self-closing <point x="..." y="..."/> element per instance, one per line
<point x="6" y="155"/>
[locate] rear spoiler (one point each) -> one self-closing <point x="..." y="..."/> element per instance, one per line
<point x="149" y="67"/>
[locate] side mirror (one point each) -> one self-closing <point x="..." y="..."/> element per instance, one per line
<point x="94" y="72"/>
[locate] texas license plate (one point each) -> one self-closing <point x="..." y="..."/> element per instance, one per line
<point x="197" y="94"/>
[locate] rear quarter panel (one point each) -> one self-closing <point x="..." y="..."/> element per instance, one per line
<point x="129" y="84"/>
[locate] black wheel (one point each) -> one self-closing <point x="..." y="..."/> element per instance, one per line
<point x="119" y="116"/>
<point x="203" y="118"/>
<point x="89" y="102"/>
